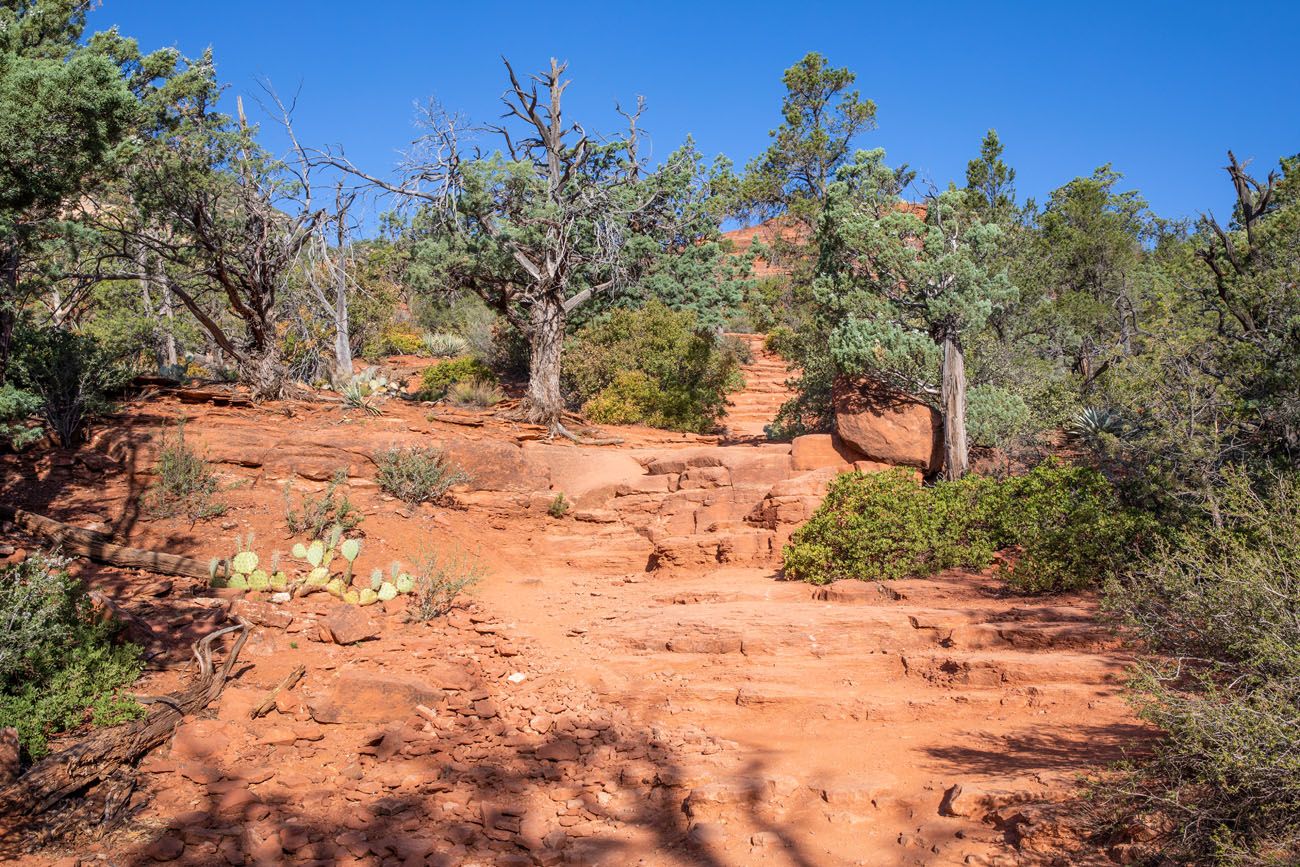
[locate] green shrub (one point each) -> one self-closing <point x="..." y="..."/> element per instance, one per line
<point x="59" y="664"/>
<point x="1219" y="605"/>
<point x="16" y="407"/>
<point x="475" y="393"/>
<point x="442" y="344"/>
<point x="437" y="380"/>
<point x="559" y="506"/>
<point x="415" y="474"/>
<point x="651" y="366"/>
<point x="315" y="515"/>
<point x="1066" y="522"/>
<point x="396" y="341"/>
<point x="70" y="373"/>
<point x="995" y="416"/>
<point x="185" y="484"/>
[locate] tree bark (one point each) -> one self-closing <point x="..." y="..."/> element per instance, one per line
<point x="545" y="346"/>
<point x="8" y="304"/>
<point x="342" y="328"/>
<point x="953" y="397"/>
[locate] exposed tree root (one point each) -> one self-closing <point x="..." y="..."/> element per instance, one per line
<point x="558" y="429"/>
<point x="101" y="767"/>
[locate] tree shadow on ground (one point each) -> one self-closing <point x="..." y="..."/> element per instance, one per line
<point x="1084" y="748"/>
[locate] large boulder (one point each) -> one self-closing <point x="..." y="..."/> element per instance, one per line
<point x="887" y="426"/>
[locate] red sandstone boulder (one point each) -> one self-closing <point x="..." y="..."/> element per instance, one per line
<point x="814" y="451"/>
<point x="886" y="426"/>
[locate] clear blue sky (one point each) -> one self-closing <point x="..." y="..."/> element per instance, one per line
<point x="1160" y="89"/>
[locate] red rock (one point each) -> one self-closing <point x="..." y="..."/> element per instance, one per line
<point x="560" y="750"/>
<point x="814" y="451"/>
<point x="348" y="625"/>
<point x="166" y="848"/>
<point x="886" y="426"/>
<point x="371" y="697"/>
<point x="10" y="764"/>
<point x="261" y="613"/>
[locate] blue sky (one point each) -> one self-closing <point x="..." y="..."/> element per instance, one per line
<point x="1159" y="89"/>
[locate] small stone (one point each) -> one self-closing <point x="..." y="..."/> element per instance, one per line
<point x="517" y="677"/>
<point x="166" y="848"/>
<point x="348" y="625"/>
<point x="562" y="750"/>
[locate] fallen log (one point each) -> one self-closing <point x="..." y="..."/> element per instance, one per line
<point x="107" y="753"/>
<point x="89" y="543"/>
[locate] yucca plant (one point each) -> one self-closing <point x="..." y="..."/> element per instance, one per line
<point x="445" y="345"/>
<point x="1089" y="424"/>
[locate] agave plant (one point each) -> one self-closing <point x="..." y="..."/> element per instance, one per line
<point x="357" y="395"/>
<point x="1091" y="423"/>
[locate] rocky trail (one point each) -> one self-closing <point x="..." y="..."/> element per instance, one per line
<point x="630" y="683"/>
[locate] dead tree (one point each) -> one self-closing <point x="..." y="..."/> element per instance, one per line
<point x="537" y="237"/>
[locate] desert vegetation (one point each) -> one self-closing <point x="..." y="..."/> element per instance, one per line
<point x="1075" y="398"/>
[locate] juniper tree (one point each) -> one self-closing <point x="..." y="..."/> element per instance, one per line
<point x="905" y="286"/>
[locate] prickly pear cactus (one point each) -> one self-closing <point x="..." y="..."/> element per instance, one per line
<point x="350" y="549"/>
<point x="404" y="583"/>
<point x="351" y="597"/>
<point x="386" y="591"/>
<point x="318" y="577"/>
<point x="334" y="588"/>
<point x="316" y="552"/>
<point x="238" y="581"/>
<point x="279" y="581"/>
<point x="367" y="597"/>
<point x="259" y="580"/>
<point x="245" y="562"/>
<point x="300" y="551"/>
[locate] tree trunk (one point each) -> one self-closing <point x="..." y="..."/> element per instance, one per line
<point x="342" y="335"/>
<point x="953" y="395"/>
<point x="8" y="304"/>
<point x="545" y="345"/>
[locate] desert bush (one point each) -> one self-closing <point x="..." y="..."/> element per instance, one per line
<point x="475" y="393"/>
<point x="1064" y="523"/>
<point x="439" y="580"/>
<point x="559" y="506"/>
<point x="59" y="664"/>
<point x="316" y="514"/>
<point x="1219" y="607"/>
<point x="651" y="366"/>
<point x="438" y="379"/>
<point x="185" y="484"/>
<point x="16" y="408"/>
<point x="996" y="416"/>
<point x="69" y="372"/>
<point x="416" y="474"/>
<point x="442" y="344"/>
<point x="395" y="340"/>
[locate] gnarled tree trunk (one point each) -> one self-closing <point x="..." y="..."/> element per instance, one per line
<point x="953" y="396"/>
<point x="545" y="347"/>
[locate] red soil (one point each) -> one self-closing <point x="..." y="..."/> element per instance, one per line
<point x="678" y="703"/>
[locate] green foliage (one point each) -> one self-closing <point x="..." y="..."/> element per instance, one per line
<point x="184" y="484"/>
<point x="475" y="393"/>
<point x="559" y="506"/>
<point x="996" y="416"/>
<point x="1218" y="605"/>
<point x="443" y="345"/>
<point x="315" y="514"/>
<point x="396" y="341"/>
<point x="651" y="366"/>
<point x="438" y="379"/>
<point x="438" y="581"/>
<point x="16" y="407"/>
<point x="1065" y="523"/>
<point x="415" y="474"/>
<point x="69" y="372"/>
<point x="59" y="664"/>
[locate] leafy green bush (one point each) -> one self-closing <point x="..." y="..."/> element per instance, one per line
<point x="1220" y="606"/>
<point x="559" y="506"/>
<point x="651" y="366"/>
<point x="16" y="407"/>
<point x="185" y="484"/>
<point x="438" y="379"/>
<point x="1066" y="522"/>
<point x="417" y="475"/>
<point x="59" y="664"/>
<point x="69" y="372"/>
<point x="995" y="416"/>
<point x="395" y="341"/>
<point x="315" y="515"/>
